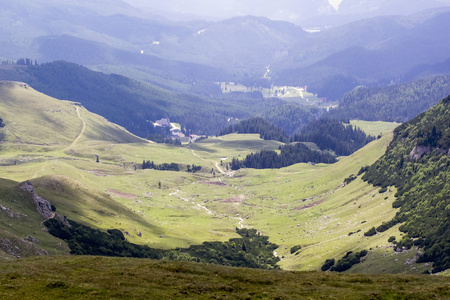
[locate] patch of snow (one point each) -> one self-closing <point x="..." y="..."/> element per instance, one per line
<point x="201" y="31"/>
<point x="335" y="4"/>
<point x="312" y="30"/>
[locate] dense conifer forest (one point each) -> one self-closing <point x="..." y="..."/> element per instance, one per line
<point x="264" y="128"/>
<point x="334" y="135"/>
<point x="289" y="154"/>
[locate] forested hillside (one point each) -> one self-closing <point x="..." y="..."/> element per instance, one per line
<point x="289" y="155"/>
<point x="417" y="163"/>
<point x="264" y="128"/>
<point x="398" y="103"/>
<point x="292" y="117"/>
<point x="334" y="135"/>
<point x="367" y="52"/>
<point x="134" y="104"/>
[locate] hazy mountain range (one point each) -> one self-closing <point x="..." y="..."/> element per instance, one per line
<point x="123" y="39"/>
<point x="303" y="13"/>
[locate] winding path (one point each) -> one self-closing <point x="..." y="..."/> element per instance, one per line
<point x="241" y="220"/>
<point x="83" y="128"/>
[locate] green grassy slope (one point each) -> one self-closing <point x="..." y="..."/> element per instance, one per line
<point x="302" y="204"/>
<point x="123" y="278"/>
<point x="109" y="194"/>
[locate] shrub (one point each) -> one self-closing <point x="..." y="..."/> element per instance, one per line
<point x="372" y="231"/>
<point x="328" y="264"/>
<point x="295" y="249"/>
<point x="382" y="190"/>
<point x="348" y="261"/>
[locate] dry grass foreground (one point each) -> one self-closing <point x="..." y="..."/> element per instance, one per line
<point x="88" y="277"/>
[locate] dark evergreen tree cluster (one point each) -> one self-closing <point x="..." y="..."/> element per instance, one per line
<point x="333" y="135"/>
<point x="252" y="250"/>
<point x="163" y="139"/>
<point x="417" y="163"/>
<point x="193" y="168"/>
<point x="162" y="167"/>
<point x="264" y="128"/>
<point x="83" y="240"/>
<point x="1" y="123"/>
<point x="289" y="154"/>
<point x="345" y="263"/>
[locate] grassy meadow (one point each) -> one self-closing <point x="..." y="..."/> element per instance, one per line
<point x="125" y="278"/>
<point x="305" y="205"/>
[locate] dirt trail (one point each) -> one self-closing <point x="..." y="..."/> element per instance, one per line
<point x="241" y="220"/>
<point x="83" y="128"/>
<point x="194" y="203"/>
<point x="222" y="171"/>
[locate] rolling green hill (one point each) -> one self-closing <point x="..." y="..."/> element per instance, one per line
<point x="313" y="209"/>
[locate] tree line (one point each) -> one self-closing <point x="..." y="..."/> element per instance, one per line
<point x="21" y="62"/>
<point x="289" y="154"/>
<point x="261" y="126"/>
<point x="333" y="135"/>
<point x="169" y="167"/>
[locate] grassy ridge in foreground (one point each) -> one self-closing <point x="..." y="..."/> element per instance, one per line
<point x="106" y="278"/>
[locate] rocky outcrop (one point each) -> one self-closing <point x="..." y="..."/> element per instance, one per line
<point x="43" y="206"/>
<point x="418" y="151"/>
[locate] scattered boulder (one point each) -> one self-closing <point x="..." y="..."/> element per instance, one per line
<point x="32" y="239"/>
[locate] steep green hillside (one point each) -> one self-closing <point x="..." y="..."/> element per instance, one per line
<point x="417" y="164"/>
<point x="34" y="120"/>
<point x="113" y="193"/>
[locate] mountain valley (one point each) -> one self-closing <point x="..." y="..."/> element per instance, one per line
<point x="143" y="156"/>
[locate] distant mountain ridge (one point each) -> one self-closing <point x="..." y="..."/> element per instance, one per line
<point x="331" y="62"/>
<point x="367" y="52"/>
